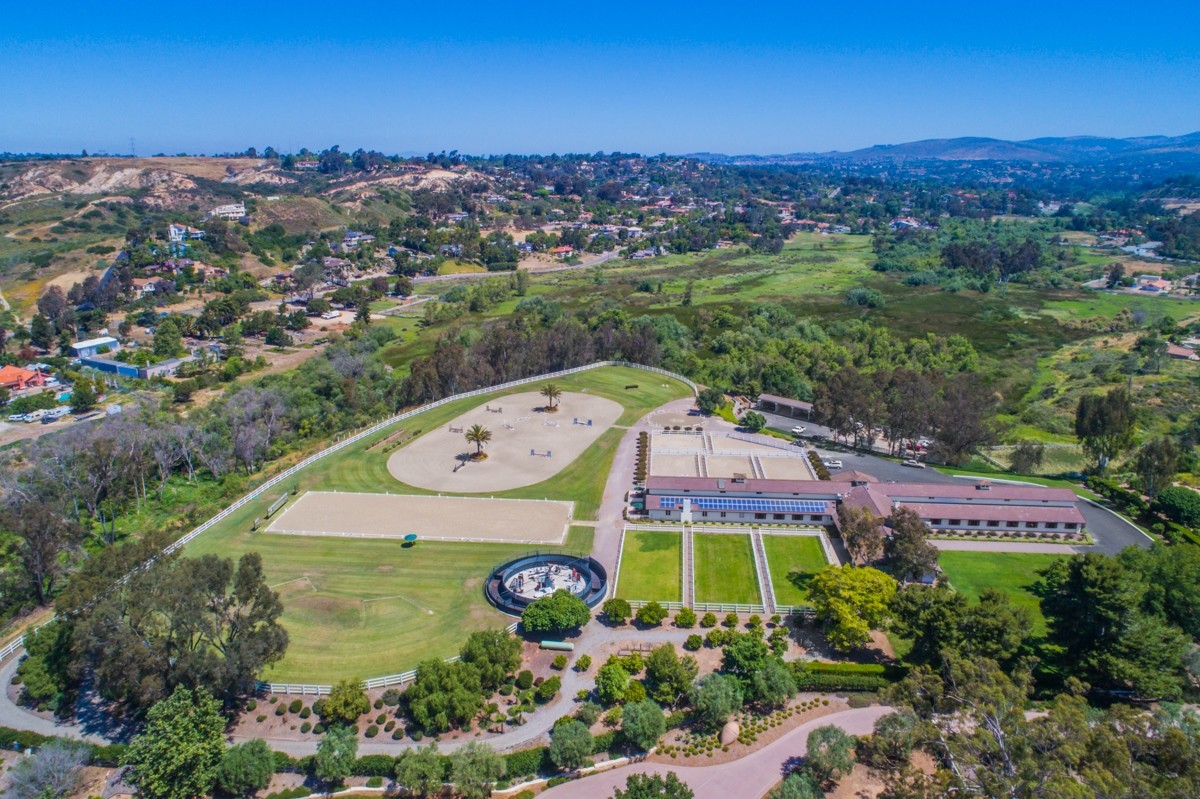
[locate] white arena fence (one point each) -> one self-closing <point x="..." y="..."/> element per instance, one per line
<point x="18" y="645"/>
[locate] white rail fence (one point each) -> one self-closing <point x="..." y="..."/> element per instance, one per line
<point x="18" y="644"/>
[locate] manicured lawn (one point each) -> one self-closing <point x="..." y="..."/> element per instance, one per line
<point x="1014" y="573"/>
<point x="793" y="560"/>
<point x="651" y="566"/>
<point x="362" y="608"/>
<point x="725" y="569"/>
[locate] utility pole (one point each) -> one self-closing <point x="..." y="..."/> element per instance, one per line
<point x="132" y="149"/>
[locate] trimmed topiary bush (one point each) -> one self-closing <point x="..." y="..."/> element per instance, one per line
<point x="295" y="706"/>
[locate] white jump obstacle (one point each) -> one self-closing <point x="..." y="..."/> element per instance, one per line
<point x="454" y="429"/>
<point x="490" y="409"/>
<point x="582" y="422"/>
<point x="546" y="454"/>
<point x="508" y="426"/>
<point x="549" y="423"/>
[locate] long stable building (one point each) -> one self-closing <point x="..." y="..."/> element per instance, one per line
<point x="967" y="507"/>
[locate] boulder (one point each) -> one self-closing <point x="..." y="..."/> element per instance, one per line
<point x="729" y="733"/>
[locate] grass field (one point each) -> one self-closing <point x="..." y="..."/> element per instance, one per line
<point x="327" y="584"/>
<point x="725" y="569"/>
<point x="1014" y="573"/>
<point x="359" y="608"/>
<point x="793" y="560"/>
<point x="651" y="566"/>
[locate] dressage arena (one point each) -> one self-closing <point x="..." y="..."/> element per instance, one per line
<point x="440" y="459"/>
<point x="717" y="455"/>
<point x="520" y="521"/>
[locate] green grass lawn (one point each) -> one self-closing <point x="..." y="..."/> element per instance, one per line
<point x="725" y="569"/>
<point x="1014" y="573"/>
<point x="651" y="566"/>
<point x="363" y="608"/>
<point x="793" y="560"/>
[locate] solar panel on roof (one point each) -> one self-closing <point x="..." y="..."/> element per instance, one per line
<point x="742" y="504"/>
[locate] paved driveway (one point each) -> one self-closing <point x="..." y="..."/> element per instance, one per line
<point x="747" y="778"/>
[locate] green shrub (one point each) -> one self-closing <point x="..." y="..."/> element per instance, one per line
<point x="528" y="762"/>
<point x="252" y="704"/>
<point x="583" y="663"/>
<point x="375" y="782"/>
<point x="708" y="620"/>
<point x="525" y="680"/>
<point x="374" y="766"/>
<point x="391" y="697"/>
<point x="295" y="706"/>
<point x="281" y="709"/>
<point x="306" y="727"/>
<point x="377" y="704"/>
<point x="372" y="731"/>
<point x="305" y="712"/>
<point x="548" y="689"/>
<point x="731" y="620"/>
<point x="560" y="662"/>
<point x="685" y="618"/>
<point x="651" y="614"/>
<point x="693" y="642"/>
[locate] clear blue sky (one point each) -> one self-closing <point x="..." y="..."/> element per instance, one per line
<point x="587" y="76"/>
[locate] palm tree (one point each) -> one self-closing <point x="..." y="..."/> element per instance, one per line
<point x="551" y="392"/>
<point x="478" y="435"/>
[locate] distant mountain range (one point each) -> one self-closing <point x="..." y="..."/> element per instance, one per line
<point x="1068" y="149"/>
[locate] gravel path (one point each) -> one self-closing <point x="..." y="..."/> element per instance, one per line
<point x="747" y="778"/>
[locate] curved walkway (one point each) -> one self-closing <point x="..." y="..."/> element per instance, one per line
<point x="747" y="778"/>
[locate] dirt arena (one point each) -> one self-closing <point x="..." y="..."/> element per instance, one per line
<point x="518" y="521"/>
<point x="440" y="459"/>
<point x="714" y="455"/>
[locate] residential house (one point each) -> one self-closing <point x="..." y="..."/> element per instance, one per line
<point x="15" y="378"/>
<point x="562" y="252"/>
<point x="180" y="234"/>
<point x="1182" y="353"/>
<point x="233" y="212"/>
<point x="1153" y="284"/>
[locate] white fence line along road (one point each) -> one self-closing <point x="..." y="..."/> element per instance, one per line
<point x="19" y="644"/>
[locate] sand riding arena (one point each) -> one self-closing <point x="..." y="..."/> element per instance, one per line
<point x="528" y="444"/>
<point x="351" y="515"/>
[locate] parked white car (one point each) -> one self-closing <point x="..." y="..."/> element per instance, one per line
<point x="16" y="417"/>
<point x="799" y="429"/>
<point x="831" y="464"/>
<point x="913" y="463"/>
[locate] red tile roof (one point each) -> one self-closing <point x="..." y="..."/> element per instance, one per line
<point x="1002" y="513"/>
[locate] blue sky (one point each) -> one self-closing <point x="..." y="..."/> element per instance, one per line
<point x="581" y="77"/>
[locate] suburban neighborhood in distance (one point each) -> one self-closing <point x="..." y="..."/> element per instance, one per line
<point x="635" y="405"/>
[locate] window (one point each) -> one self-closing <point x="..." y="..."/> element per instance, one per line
<point x="973" y="523"/>
<point x="704" y="514"/>
<point x="797" y="517"/>
<point x="1051" y="525"/>
<point x="993" y="523"/>
<point x="1069" y="525"/>
<point x="722" y="514"/>
<point x="780" y="516"/>
<point x="954" y="522"/>
<point x="814" y="517"/>
<point x="760" y="515"/>
<point x="1031" y="525"/>
<point x="1012" y="524"/>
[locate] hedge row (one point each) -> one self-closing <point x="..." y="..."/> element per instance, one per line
<point x="111" y="756"/>
<point x="815" y="681"/>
